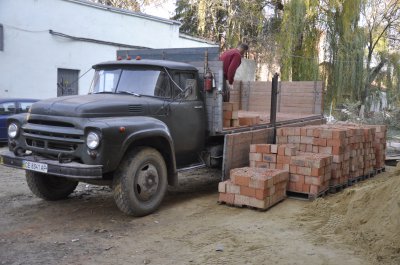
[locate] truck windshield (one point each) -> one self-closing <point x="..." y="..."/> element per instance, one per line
<point x="135" y="81"/>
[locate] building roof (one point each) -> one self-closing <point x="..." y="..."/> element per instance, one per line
<point x="146" y="62"/>
<point x="124" y="11"/>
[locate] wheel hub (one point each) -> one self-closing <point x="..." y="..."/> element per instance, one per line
<point x="147" y="182"/>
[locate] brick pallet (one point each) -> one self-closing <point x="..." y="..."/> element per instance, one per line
<point x="271" y="156"/>
<point x="357" y="150"/>
<point x="259" y="188"/>
<point x="322" y="140"/>
<point x="309" y="173"/>
<point x="379" y="145"/>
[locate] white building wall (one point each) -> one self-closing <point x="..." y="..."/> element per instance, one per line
<point x="31" y="55"/>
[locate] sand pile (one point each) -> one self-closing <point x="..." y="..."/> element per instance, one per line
<point x="366" y="215"/>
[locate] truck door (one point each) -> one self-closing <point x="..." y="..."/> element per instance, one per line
<point x="187" y="114"/>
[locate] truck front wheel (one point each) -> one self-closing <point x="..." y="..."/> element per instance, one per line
<point x="140" y="182"/>
<point x="49" y="187"/>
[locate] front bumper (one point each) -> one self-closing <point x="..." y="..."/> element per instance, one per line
<point x="72" y="170"/>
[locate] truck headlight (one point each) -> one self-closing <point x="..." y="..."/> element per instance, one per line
<point x="12" y="130"/>
<point x="92" y="140"/>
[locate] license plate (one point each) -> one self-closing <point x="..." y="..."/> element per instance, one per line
<point x="34" y="166"/>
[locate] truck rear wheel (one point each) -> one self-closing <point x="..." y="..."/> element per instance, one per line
<point x="49" y="187"/>
<point x="140" y="182"/>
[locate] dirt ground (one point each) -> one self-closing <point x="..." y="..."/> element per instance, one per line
<point x="189" y="228"/>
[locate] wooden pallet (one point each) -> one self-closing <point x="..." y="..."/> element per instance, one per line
<point x="306" y="196"/>
<point x="338" y="188"/>
<point x="251" y="207"/>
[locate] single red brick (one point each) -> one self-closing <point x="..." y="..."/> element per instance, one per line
<point x="222" y="186"/>
<point x="315" y="149"/>
<point x="335" y="142"/>
<point x="294" y="139"/>
<point x="255" y="157"/>
<point x="314" y="189"/>
<point x="253" y="148"/>
<point x="337" y="150"/>
<point x="325" y="150"/>
<point x="338" y="134"/>
<point x="227" y="198"/>
<point x="315" y="172"/>
<point x="274" y="148"/>
<point x="260" y="184"/>
<point x="242" y="180"/>
<point x="291" y="186"/>
<point x="303" y="147"/>
<point x="319" y="141"/>
<point x="306" y="188"/>
<point x="286" y="166"/>
<point x="262" y="164"/>
<point x="304" y="170"/>
<point x="296" y="178"/>
<point x="282" y="139"/>
<point x="290" y="151"/>
<point x="326" y="133"/>
<point x="260" y="204"/>
<point x="310" y="132"/>
<point x="241" y="200"/>
<point x="299" y="187"/>
<point x="306" y="140"/>
<point x="263" y="148"/>
<point x="303" y="131"/>
<point x="246" y="191"/>
<point x="316" y="132"/>
<point x="262" y="194"/>
<point x="232" y="188"/>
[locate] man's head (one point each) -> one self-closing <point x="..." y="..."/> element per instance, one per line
<point x="243" y="48"/>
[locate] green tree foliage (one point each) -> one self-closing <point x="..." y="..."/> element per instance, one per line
<point x="344" y="49"/>
<point x="132" y="5"/>
<point x="299" y="39"/>
<point x="228" y="22"/>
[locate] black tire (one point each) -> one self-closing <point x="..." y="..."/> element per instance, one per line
<point x="140" y="182"/>
<point x="48" y="187"/>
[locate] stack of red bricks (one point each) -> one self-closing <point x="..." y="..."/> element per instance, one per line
<point x="310" y="173"/>
<point x="380" y="146"/>
<point x="369" y="151"/>
<point x="255" y="187"/>
<point x="271" y="156"/>
<point x="249" y="120"/>
<point x="356" y="149"/>
<point x="231" y="114"/>
<point x="321" y="140"/>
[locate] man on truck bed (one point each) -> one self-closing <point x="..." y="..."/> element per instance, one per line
<point x="231" y="61"/>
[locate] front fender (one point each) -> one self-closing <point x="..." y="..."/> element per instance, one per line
<point x="124" y="133"/>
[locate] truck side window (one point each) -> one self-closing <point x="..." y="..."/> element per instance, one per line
<point x="7" y="108"/>
<point x="183" y="79"/>
<point x="163" y="88"/>
<point x="25" y="106"/>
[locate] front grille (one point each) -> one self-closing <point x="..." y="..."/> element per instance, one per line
<point x="51" y="134"/>
<point x="35" y="143"/>
<point x="52" y="140"/>
<point x="51" y="123"/>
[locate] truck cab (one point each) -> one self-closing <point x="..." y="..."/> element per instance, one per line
<point x="141" y="121"/>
